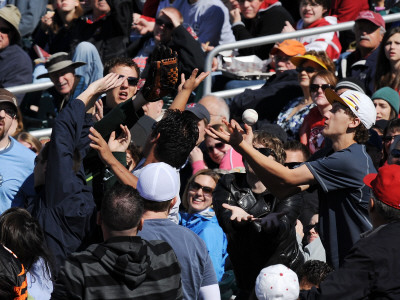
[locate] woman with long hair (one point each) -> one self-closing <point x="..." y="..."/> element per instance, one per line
<point x="388" y="63"/>
<point x="200" y="217"/>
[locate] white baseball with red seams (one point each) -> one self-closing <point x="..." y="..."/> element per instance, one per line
<point x="250" y="116"/>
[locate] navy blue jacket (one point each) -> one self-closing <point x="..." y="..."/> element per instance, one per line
<point x="66" y="208"/>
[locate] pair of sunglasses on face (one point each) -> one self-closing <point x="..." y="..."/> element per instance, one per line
<point x="218" y="146"/>
<point x="167" y="25"/>
<point x="10" y="111"/>
<point x="132" y="81"/>
<point x="315" y="87"/>
<point x="206" y="189"/>
<point x="307" y="69"/>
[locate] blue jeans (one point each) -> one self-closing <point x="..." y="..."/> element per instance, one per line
<point x="93" y="70"/>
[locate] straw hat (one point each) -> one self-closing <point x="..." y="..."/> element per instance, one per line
<point x="59" y="61"/>
<point x="12" y="15"/>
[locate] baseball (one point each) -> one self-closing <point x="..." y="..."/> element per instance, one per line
<point x="250" y="116"/>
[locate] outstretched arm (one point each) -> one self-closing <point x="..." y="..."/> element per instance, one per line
<point x="280" y="181"/>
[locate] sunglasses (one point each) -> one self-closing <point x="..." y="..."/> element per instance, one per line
<point x="395" y="153"/>
<point x="132" y="81"/>
<point x="307" y="228"/>
<point x="206" y="189"/>
<point x="5" y="30"/>
<point x="167" y="25"/>
<point x="388" y="138"/>
<point x="267" y="152"/>
<point x="315" y="87"/>
<point x="218" y="146"/>
<point x="307" y="69"/>
<point x="292" y="165"/>
<point x="243" y="1"/>
<point x="11" y="112"/>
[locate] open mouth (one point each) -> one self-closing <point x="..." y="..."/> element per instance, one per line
<point x="123" y="95"/>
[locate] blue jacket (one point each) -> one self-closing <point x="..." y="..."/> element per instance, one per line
<point x="208" y="229"/>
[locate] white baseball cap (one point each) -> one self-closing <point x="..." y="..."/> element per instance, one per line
<point x="158" y="182"/>
<point x="277" y="282"/>
<point x="360" y="104"/>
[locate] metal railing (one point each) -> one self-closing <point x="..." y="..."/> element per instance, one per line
<point x="31" y="87"/>
<point x="276" y="38"/>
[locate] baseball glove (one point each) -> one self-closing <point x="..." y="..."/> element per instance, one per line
<point x="163" y="74"/>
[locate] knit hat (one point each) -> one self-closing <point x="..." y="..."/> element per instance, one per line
<point x="298" y="60"/>
<point x="290" y="48"/>
<point x="359" y="103"/>
<point x="390" y="96"/>
<point x="12" y="15"/>
<point x="158" y="182"/>
<point x="350" y="83"/>
<point x="6" y="96"/>
<point x="59" y="61"/>
<point x="277" y="282"/>
<point x="386" y="184"/>
<point x="199" y="111"/>
<point x="371" y="16"/>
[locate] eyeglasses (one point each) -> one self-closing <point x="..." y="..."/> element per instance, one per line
<point x="11" y="112"/>
<point x="132" y="81"/>
<point x="5" y="30"/>
<point x="218" y="146"/>
<point x="206" y="189"/>
<point x="292" y="165"/>
<point x="307" y="69"/>
<point x="307" y="228"/>
<point x="395" y="153"/>
<point x="243" y="1"/>
<point x="388" y="138"/>
<point x="267" y="152"/>
<point x="167" y="25"/>
<point x="315" y="87"/>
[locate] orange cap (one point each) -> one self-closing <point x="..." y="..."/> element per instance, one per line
<point x="290" y="48"/>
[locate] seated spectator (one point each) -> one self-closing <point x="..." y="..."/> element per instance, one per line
<point x="314" y="13"/>
<point x="388" y="59"/>
<point x="312" y="273"/>
<point x="279" y="89"/>
<point x="15" y="64"/>
<point x="392" y="130"/>
<point x="339" y="174"/>
<point x="386" y="101"/>
<point x="369" y="29"/>
<point x="158" y="184"/>
<point x="221" y="154"/>
<point x="16" y="161"/>
<point x="292" y="115"/>
<point x="124" y="265"/>
<point x="258" y="18"/>
<point x="29" y="141"/>
<point x="255" y="221"/>
<point x="349" y="83"/>
<point x="314" y="122"/>
<point x="217" y="108"/>
<point x="364" y="273"/>
<point x="200" y="217"/>
<point x="309" y="240"/>
<point x="277" y="282"/>
<point x="394" y="152"/>
<point x="21" y="233"/>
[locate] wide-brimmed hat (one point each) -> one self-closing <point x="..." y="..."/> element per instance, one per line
<point x="298" y="60"/>
<point x="59" y="61"/>
<point x="7" y="96"/>
<point x="12" y="15"/>
<point x="360" y="104"/>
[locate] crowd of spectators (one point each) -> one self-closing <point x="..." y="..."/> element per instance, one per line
<point x="148" y="189"/>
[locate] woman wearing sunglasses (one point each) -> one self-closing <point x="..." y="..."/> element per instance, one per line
<point x="292" y="115"/>
<point x="240" y="201"/>
<point x="200" y="217"/>
<point x="314" y="122"/>
<point x="222" y="155"/>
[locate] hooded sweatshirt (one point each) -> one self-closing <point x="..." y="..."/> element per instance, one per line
<point x="121" y="268"/>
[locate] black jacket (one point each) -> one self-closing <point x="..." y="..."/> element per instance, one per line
<point x="371" y="270"/>
<point x="250" y="248"/>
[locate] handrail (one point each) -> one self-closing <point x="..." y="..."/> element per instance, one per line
<point x="31" y="87"/>
<point x="279" y="37"/>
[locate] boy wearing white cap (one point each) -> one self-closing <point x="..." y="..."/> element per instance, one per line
<point x="158" y="184"/>
<point x="343" y="195"/>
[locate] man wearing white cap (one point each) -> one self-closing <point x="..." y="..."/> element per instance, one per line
<point x="339" y="176"/>
<point x="158" y="184"/>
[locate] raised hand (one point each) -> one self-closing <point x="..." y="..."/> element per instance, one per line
<point x="235" y="134"/>
<point x="99" y="144"/>
<point x="98" y="112"/>
<point x="238" y="214"/>
<point x="121" y="143"/>
<point x="193" y="82"/>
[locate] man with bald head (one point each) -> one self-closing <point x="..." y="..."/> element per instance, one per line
<point x="217" y="108"/>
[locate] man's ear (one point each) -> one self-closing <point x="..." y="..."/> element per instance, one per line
<point x="140" y="226"/>
<point x="354" y="122"/>
<point x="154" y="139"/>
<point x="173" y="202"/>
